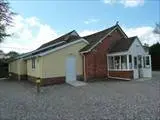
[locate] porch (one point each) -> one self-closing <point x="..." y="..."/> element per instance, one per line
<point x="127" y="66"/>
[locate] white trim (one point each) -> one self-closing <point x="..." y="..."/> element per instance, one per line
<point x="107" y="66"/>
<point x="128" y="62"/>
<point x="33" y="56"/>
<point x="114" y="64"/>
<point x="104" y="38"/>
<point x="119" y="78"/>
<point x="122" y="31"/>
<point x="127" y="69"/>
<point x="40" y="49"/>
<point x="150" y="62"/>
<point x="118" y="53"/>
<point x="47" y="46"/>
<point x="141" y="44"/>
<point x="120" y="64"/>
<point x="99" y="41"/>
<point x="84" y="68"/>
<point x="29" y="53"/>
<point x="120" y="69"/>
<point x="58" y="48"/>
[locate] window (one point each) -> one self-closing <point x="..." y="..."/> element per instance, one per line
<point x="130" y="62"/>
<point x="135" y="62"/>
<point x="144" y="62"/>
<point x="147" y="62"/>
<point x="33" y="63"/>
<point x="110" y="59"/>
<point x="117" y="62"/>
<point x="124" y="62"/>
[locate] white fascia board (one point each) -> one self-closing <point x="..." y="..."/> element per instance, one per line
<point x="141" y="44"/>
<point x="122" y="31"/>
<point x="47" y="47"/>
<point x="42" y="49"/>
<point x="63" y="46"/>
<point x="99" y="41"/>
<point x="104" y="38"/>
<point x="119" y="78"/>
<point x="136" y="39"/>
<point x="33" y="56"/>
<point x="118" y="53"/>
<point x="120" y="70"/>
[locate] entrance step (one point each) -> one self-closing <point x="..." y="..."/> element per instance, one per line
<point x="143" y="79"/>
<point x="77" y="83"/>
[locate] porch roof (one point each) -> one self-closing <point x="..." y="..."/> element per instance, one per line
<point x="122" y="45"/>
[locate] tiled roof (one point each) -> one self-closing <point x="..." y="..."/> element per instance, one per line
<point x="122" y="45"/>
<point x="67" y="37"/>
<point x="96" y="37"/>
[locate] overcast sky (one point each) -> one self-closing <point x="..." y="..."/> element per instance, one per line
<point x="40" y="21"/>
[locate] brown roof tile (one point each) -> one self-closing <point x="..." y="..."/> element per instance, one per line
<point x="122" y="45"/>
<point x="94" y="38"/>
<point x="67" y="37"/>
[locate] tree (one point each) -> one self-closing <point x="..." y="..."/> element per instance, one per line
<point x="6" y="17"/>
<point x="155" y="49"/>
<point x="157" y="29"/>
<point x="12" y="54"/>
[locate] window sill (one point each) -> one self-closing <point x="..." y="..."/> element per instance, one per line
<point x="120" y="70"/>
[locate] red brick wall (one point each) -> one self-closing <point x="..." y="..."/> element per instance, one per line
<point x="96" y="60"/>
<point x="121" y="74"/>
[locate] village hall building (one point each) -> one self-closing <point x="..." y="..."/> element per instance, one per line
<point x="107" y="54"/>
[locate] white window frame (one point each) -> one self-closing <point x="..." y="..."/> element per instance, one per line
<point x="145" y="61"/>
<point x="33" y="63"/>
<point x="120" y="63"/>
<point x="135" y="61"/>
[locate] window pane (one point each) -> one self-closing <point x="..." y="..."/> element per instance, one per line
<point x="110" y="62"/>
<point x="33" y="62"/>
<point x="144" y="62"/>
<point x="135" y="62"/>
<point x="147" y="61"/>
<point x="117" y="60"/>
<point x="130" y="58"/>
<point x="124" y="62"/>
<point x="130" y="62"/>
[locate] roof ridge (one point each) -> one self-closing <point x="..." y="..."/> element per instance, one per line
<point x="122" y="45"/>
<point x="58" y="38"/>
<point x="100" y="31"/>
<point x="133" y="37"/>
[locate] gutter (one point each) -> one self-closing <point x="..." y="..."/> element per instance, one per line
<point x="55" y="49"/>
<point x="30" y="53"/>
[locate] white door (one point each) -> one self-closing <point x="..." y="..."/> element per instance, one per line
<point x="70" y="68"/>
<point x="147" y="70"/>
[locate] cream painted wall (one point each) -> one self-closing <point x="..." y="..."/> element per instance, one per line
<point x="13" y="67"/>
<point x="18" y="67"/>
<point x="54" y="63"/>
<point x="22" y="67"/>
<point x="51" y="65"/>
<point x="35" y="72"/>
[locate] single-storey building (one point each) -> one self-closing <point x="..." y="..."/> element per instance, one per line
<point x="109" y="53"/>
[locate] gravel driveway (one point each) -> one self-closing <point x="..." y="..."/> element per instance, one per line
<point x="109" y="100"/>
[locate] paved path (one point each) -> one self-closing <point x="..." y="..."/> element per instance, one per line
<point x="110" y="100"/>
